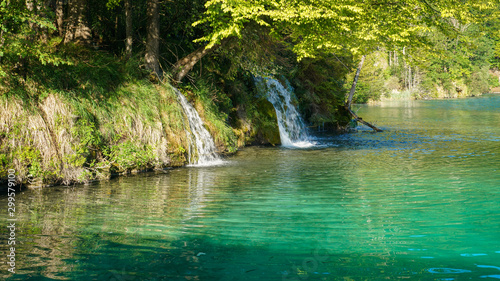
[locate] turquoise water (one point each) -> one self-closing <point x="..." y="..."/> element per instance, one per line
<point x="419" y="201"/>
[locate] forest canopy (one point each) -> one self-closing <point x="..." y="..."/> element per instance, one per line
<point x="352" y="26"/>
<point x="427" y="45"/>
<point x="99" y="79"/>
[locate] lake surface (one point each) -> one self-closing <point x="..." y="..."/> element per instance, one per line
<point x="419" y="201"/>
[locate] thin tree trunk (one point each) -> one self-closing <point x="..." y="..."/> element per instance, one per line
<point x="2" y="40"/>
<point x="153" y="38"/>
<point x="351" y="94"/>
<point x="410" y="83"/>
<point x="69" y="33"/>
<point x="60" y="17"/>
<point x="128" y="29"/>
<point x="30" y="5"/>
<point x="116" y="28"/>
<point x="353" y="87"/>
<point x="77" y="28"/>
<point x="42" y="8"/>
<point x="183" y="66"/>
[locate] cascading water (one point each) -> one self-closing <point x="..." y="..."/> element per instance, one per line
<point x="293" y="132"/>
<point x="204" y="145"/>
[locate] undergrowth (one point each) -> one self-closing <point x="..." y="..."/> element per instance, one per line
<point x="93" y="117"/>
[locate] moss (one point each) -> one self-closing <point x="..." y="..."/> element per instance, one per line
<point x="97" y="117"/>
<point x="320" y="86"/>
<point x="265" y="125"/>
<point x="100" y="116"/>
<point x="212" y="104"/>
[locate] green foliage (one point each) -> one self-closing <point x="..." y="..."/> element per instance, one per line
<point x="320" y="86"/>
<point x="479" y="82"/>
<point x="372" y="79"/>
<point x="130" y="155"/>
<point x="20" y="29"/>
<point x="252" y="116"/>
<point x="32" y="159"/>
<point x="464" y="57"/>
<point x="334" y="26"/>
<point x="457" y="65"/>
<point x="111" y="4"/>
<point x="264" y="129"/>
<point x="214" y="108"/>
<point x="90" y="142"/>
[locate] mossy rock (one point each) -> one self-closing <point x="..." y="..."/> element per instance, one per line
<point x="265" y="128"/>
<point x="268" y="135"/>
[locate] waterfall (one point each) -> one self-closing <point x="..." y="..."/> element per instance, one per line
<point x="293" y="131"/>
<point x="202" y="151"/>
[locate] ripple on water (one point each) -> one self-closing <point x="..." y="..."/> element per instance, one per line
<point x="473" y="255"/>
<point x="438" y="270"/>
<point x="488" y="266"/>
<point x="378" y="205"/>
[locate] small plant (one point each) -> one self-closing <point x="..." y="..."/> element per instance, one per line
<point x="30" y="158"/>
<point x="128" y="155"/>
<point x="90" y="142"/>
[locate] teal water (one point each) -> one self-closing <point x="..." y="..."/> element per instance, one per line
<point x="419" y="201"/>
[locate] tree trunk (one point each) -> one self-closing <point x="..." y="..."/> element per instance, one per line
<point x="351" y="94"/>
<point x="77" y="28"/>
<point x="153" y="38"/>
<point x="128" y="29"/>
<point x="183" y="66"/>
<point x="409" y="78"/>
<point x="353" y="87"/>
<point x="60" y="17"/>
<point x="30" y="5"/>
<point x="42" y="8"/>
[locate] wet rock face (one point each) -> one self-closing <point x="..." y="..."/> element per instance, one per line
<point x="265" y="130"/>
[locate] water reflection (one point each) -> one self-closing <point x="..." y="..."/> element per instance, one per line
<point x="417" y="201"/>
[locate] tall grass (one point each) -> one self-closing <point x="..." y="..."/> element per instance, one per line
<point x="96" y="117"/>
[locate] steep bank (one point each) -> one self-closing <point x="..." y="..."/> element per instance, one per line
<point x="64" y="139"/>
<point x="99" y="117"/>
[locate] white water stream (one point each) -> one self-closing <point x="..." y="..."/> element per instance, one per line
<point x="293" y="131"/>
<point x="202" y="150"/>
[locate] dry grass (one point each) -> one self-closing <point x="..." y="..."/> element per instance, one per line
<point x="68" y="137"/>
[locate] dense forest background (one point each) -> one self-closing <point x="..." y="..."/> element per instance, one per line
<point x="87" y="86"/>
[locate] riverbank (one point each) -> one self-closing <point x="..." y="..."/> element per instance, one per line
<point x="96" y="115"/>
<point x="99" y="116"/>
<point x="408" y="95"/>
<point x="434" y="171"/>
<point x="66" y="138"/>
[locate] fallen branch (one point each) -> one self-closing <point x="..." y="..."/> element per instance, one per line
<point x="360" y="120"/>
<point x="351" y="95"/>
